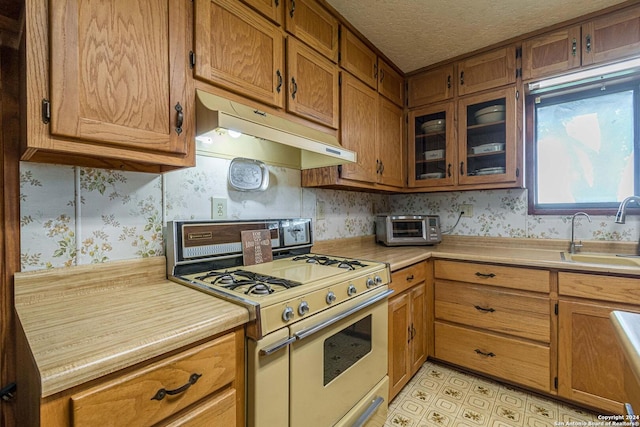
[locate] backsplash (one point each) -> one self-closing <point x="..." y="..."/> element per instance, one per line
<point x="503" y="213"/>
<point x="72" y="215"/>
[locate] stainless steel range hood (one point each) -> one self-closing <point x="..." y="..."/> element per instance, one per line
<point x="275" y="139"/>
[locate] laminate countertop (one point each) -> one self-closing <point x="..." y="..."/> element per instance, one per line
<point x="84" y="322"/>
<point x="511" y="251"/>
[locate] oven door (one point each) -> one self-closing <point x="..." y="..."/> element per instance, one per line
<point x="339" y="356"/>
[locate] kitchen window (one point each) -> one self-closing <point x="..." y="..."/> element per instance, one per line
<point x="583" y="146"/>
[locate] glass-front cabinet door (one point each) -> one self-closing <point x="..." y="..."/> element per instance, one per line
<point x="431" y="150"/>
<point x="487" y="138"/>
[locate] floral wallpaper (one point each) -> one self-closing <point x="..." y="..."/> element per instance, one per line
<point x="503" y="213"/>
<point x="73" y="215"/>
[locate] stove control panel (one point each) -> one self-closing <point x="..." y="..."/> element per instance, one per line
<point x="286" y="312"/>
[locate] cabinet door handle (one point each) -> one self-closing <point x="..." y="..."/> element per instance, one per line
<point x="160" y="394"/>
<point x="179" y="118"/>
<point x="588" y="43"/>
<point x="484" y="275"/>
<point x="486" y="310"/>
<point x="574" y="47"/>
<point x="294" y="88"/>
<point x="461" y="77"/>
<point x="461" y="168"/>
<point x="381" y="76"/>
<point x="408" y="334"/>
<point x="449" y="170"/>
<point x="279" y="86"/>
<point x="375" y="71"/>
<point x="293" y="8"/>
<point x="482" y="353"/>
<point x="410" y="278"/>
<point x="381" y="167"/>
<point x="449" y="81"/>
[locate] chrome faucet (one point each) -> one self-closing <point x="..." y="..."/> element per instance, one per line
<point x="622" y="212"/>
<point x="573" y="246"/>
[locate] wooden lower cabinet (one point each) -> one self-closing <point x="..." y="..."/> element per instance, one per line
<point x="202" y="385"/>
<point x="494" y="320"/>
<point x="590" y="359"/>
<point x="515" y="360"/>
<point x="407" y="326"/>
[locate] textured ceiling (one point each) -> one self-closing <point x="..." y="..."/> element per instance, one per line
<point x="417" y="33"/>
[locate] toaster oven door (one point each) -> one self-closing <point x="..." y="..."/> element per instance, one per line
<point x="408" y="230"/>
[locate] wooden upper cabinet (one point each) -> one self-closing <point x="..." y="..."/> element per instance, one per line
<point x="312" y="84"/>
<point x="613" y="36"/>
<point x="601" y="40"/>
<point x="237" y="49"/>
<point x="488" y="70"/>
<point x="272" y="9"/>
<point x="390" y="143"/>
<point x="361" y="61"/>
<point x="357" y="58"/>
<point x="390" y="83"/>
<point x="117" y="80"/>
<point x="431" y="86"/>
<point x="358" y="128"/>
<point x="551" y="53"/>
<point x="314" y="25"/>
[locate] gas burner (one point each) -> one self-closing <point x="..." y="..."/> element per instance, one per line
<point x="247" y="282"/>
<point x="324" y="260"/>
<point x="259" y="289"/>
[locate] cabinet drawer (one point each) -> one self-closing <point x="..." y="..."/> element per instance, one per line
<point x="405" y="278"/>
<point x="518" y="361"/>
<point x="526" y="316"/>
<point x="219" y="410"/>
<point x="130" y="401"/>
<point x="604" y="288"/>
<point x="486" y="274"/>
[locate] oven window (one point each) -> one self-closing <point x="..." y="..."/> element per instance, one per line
<point x="406" y="229"/>
<point x="346" y="347"/>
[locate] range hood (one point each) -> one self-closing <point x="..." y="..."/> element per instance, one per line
<point x="271" y="138"/>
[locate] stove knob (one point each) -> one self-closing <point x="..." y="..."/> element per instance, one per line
<point x="331" y="297"/>
<point x="303" y="308"/>
<point x="351" y="290"/>
<point x="378" y="279"/>
<point x="287" y="314"/>
<point x="370" y="282"/>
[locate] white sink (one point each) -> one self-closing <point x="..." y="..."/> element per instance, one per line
<point x="602" y="259"/>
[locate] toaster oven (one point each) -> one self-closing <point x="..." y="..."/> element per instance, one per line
<point x="397" y="230"/>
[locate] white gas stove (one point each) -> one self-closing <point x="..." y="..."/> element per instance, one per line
<point x="318" y="330"/>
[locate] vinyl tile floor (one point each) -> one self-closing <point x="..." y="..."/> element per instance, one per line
<point x="443" y="397"/>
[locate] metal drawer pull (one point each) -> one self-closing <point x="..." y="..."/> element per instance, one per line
<point x="486" y="276"/>
<point x="410" y="278"/>
<point x="486" y="310"/>
<point x="482" y="353"/>
<point x="179" y="118"/>
<point x="277" y="346"/>
<point x="318" y="327"/>
<point x="366" y="415"/>
<point x="160" y="394"/>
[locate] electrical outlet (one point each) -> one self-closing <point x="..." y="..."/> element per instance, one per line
<point x="218" y="208"/>
<point x="320" y="210"/>
<point x="467" y="209"/>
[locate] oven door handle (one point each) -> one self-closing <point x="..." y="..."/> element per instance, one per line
<point x="366" y="415"/>
<point x="277" y="346"/>
<point x="319" y="326"/>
